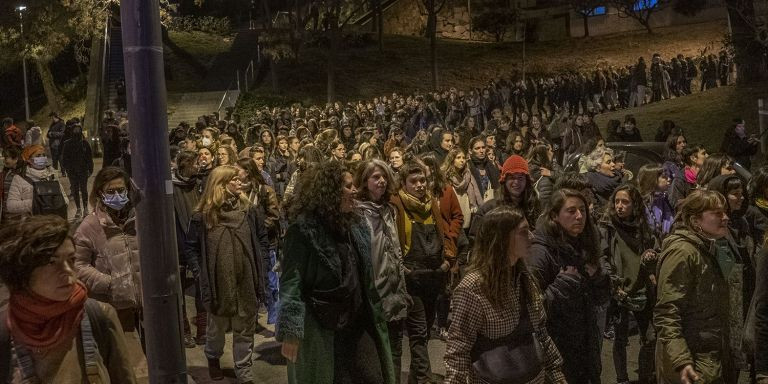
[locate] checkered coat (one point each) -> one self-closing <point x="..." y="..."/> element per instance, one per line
<point x="473" y="314"/>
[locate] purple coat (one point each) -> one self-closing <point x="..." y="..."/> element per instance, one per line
<point x="660" y="213"/>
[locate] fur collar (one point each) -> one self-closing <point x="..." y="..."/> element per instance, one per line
<point x="323" y="244"/>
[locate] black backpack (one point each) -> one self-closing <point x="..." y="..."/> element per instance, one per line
<point x="47" y="198"/>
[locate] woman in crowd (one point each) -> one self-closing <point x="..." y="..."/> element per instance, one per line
<point x="21" y="190"/>
<point x="629" y="253"/>
<point x="12" y="166"/>
<point x="653" y="184"/>
<point x="107" y="252"/>
<point x="498" y="301"/>
<point x="330" y="324"/>
<point x="517" y="192"/>
<point x="376" y="187"/>
<point x="673" y="156"/>
<point x="516" y="144"/>
<point x="226" y="243"/>
<point x="395" y="159"/>
<point x="484" y="172"/>
<point x="225" y="155"/>
<point x="693" y="294"/>
<point x="544" y="170"/>
<point x="265" y="200"/>
<point x="206" y="162"/>
<point x="457" y="172"/>
<point x="602" y="175"/>
<point x="565" y="263"/>
<point x="715" y="165"/>
<point x="685" y="181"/>
<point x="49" y="309"/>
<point x="76" y="159"/>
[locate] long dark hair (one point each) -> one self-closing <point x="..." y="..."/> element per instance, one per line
<point x="318" y="196"/>
<point x="588" y="241"/>
<point x="490" y="255"/>
<point x="103" y="178"/>
<point x="638" y="216"/>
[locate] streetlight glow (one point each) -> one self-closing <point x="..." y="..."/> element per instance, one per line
<point x="21" y="8"/>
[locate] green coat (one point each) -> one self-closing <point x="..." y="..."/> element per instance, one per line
<point x="692" y="311"/>
<point x="310" y="260"/>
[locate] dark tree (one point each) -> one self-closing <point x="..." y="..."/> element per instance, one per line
<point x="496" y="20"/>
<point x="749" y="39"/>
<point x="640" y="10"/>
<point x="433" y="7"/>
<point x="585" y="8"/>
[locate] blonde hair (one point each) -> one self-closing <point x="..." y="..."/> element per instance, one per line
<point x="215" y="194"/>
<point x="695" y="204"/>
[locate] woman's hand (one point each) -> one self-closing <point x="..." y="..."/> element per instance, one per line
<point x="546" y="172"/>
<point x="688" y="375"/>
<point x="290" y="349"/>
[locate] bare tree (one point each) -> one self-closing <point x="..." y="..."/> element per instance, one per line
<point x="749" y="39"/>
<point x="585" y="8"/>
<point x="640" y="10"/>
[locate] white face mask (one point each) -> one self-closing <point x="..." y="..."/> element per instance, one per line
<point x="39" y="162"/>
<point x="207" y="142"/>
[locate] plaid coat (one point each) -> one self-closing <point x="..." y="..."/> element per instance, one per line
<point x="473" y="314"/>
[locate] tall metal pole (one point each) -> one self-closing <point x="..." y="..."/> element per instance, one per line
<point x="21" y="10"/>
<point x="148" y="126"/>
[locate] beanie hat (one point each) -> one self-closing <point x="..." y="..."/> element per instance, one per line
<point x="28" y="152"/>
<point x="514" y="164"/>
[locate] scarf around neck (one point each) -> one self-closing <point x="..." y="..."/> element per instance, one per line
<point x="690" y="175"/>
<point x="42" y="323"/>
<point x="461" y="182"/>
<point x="421" y="211"/>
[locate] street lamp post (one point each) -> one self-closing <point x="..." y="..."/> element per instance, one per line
<point x="20" y="9"/>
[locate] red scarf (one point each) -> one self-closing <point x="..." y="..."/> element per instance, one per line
<point x="41" y="323"/>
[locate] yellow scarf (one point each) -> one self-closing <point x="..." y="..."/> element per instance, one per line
<point x="761" y="203"/>
<point x="415" y="210"/>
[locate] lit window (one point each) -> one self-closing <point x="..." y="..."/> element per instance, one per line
<point x="597" y="11"/>
<point x="645" y="4"/>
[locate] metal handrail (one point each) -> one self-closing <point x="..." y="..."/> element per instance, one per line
<point x="251" y="67"/>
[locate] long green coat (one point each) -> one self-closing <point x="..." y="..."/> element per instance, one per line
<point x="310" y="260"/>
<point x="692" y="311"/>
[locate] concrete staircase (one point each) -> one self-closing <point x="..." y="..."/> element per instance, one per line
<point x="189" y="106"/>
<point x="116" y="67"/>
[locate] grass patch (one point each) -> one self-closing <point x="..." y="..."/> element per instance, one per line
<point x="204" y="46"/>
<point x="181" y="74"/>
<point x="404" y="65"/>
<point x="703" y="116"/>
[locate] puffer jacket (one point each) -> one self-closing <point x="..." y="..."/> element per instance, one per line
<point x="692" y="310"/>
<point x="20" y="193"/>
<point x="107" y="259"/>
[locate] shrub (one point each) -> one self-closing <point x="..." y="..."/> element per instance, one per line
<point x="208" y="24"/>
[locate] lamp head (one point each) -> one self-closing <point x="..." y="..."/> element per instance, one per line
<point x="21" y="8"/>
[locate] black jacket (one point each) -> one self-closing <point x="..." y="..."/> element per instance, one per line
<point x="761" y="315"/>
<point x="76" y="157"/>
<point x="739" y="149"/>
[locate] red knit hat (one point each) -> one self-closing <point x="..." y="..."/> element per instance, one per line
<point x="514" y="164"/>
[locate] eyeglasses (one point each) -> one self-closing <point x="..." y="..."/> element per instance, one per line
<point x="112" y="191"/>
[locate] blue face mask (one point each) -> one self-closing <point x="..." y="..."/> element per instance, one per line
<point x="40" y="162"/>
<point x="116" y="201"/>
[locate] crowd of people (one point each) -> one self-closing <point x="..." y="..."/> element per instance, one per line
<point x="503" y="225"/>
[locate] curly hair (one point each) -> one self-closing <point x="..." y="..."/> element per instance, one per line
<point x="318" y="195"/>
<point x="27" y="244"/>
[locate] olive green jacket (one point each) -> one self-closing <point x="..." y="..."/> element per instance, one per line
<point x="692" y="311"/>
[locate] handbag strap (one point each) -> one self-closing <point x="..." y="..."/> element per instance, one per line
<point x="523" y="330"/>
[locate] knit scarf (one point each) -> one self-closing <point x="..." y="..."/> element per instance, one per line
<point x="690" y="175"/>
<point x="42" y="323"/>
<point x="421" y="211"/>
<point x="461" y="184"/>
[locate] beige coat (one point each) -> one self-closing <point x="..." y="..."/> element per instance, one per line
<point x="107" y="260"/>
<point x="20" y="192"/>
